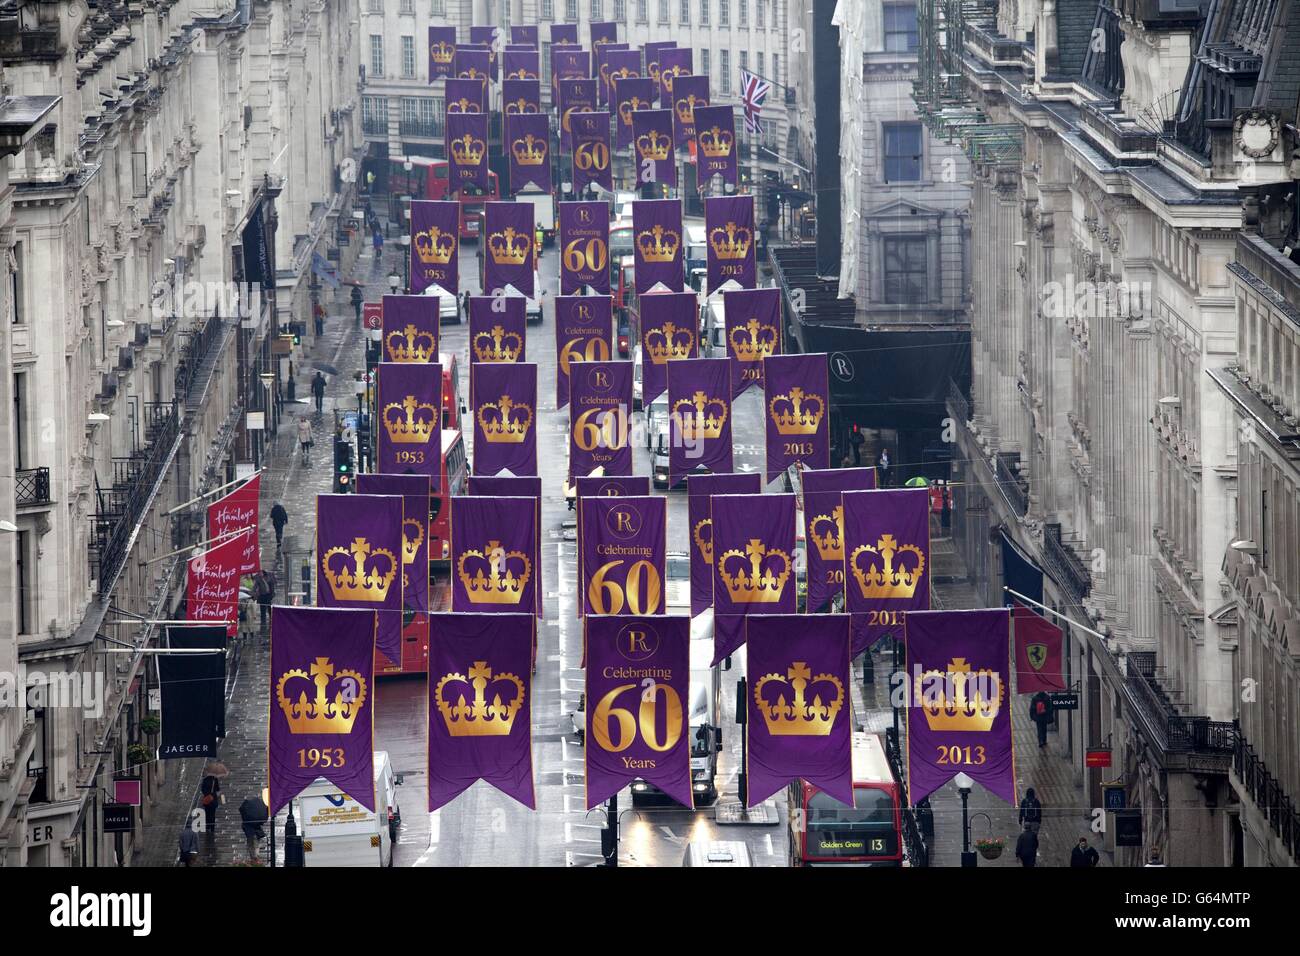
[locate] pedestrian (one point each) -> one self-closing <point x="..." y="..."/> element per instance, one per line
<point x="1084" y="855"/>
<point x="945" y="512"/>
<point x="291" y="385"/>
<point x="304" y="439"/>
<point x="466" y="297"/>
<point x="1031" y="810"/>
<point x="357" y="298"/>
<point x="882" y="465"/>
<point x="318" y="318"/>
<point x="318" y="391"/>
<point x="379" y="243"/>
<point x="264" y="591"/>
<point x="1154" y="858"/>
<point x="1040" y="712"/>
<point x="210" y="800"/>
<point x="1027" y="847"/>
<point x="279" y="518"/>
<point x="189" y="843"/>
<point x="252" y="817"/>
<point x="856" y="441"/>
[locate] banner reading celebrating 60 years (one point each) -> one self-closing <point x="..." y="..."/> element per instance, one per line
<point x="322" y="703"/>
<point x="600" y="417"/>
<point x="958" y="717"/>
<point x="359" y="543"/>
<point x="638" y="685"/>
<point x="480" y="705"/>
<point x="753" y="561"/>
<point x="800" y="712"/>
<point x="623" y="551"/>
<point x="699" y="491"/>
<point x="584" y="246"/>
<point x="583" y="333"/>
<point x="886" y="560"/>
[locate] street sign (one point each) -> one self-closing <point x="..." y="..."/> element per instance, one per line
<point x="119" y="818"/>
<point x="1128" y="828"/>
<point x="372" y="315"/>
<point x="1114" y="797"/>
<point x="1064" y="700"/>
<point x="1097" y="758"/>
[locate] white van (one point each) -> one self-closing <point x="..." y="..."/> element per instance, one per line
<point x="338" y="831"/>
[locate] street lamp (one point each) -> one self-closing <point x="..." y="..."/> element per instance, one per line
<point x="394" y="280"/>
<point x="964" y="786"/>
<point x="405" y="240"/>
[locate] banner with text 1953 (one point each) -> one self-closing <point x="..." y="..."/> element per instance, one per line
<point x="442" y="52"/>
<point x="584" y="332"/>
<point x="753" y="561"/>
<point x="322" y="703"/>
<point x="409" y="436"/>
<point x="505" y="431"/>
<point x="753" y="325"/>
<point x="622" y="552"/>
<point x="638" y="686"/>
<point x="600" y="415"/>
<point x="234" y="512"/>
<point x="409" y="326"/>
<point x="435" y="242"/>
<point x="796" y="392"/>
<point x="359" y="548"/>
<point x="467" y="151"/>
<point x="886" y="560"/>
<point x="729" y="232"/>
<point x="958" y="715"/>
<point x="212" y="582"/>
<point x="584" y="247"/>
<point x="699" y="491"/>
<point x="824" y="528"/>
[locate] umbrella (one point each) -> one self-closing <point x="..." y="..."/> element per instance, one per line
<point x="325" y="367"/>
<point x="253" y="810"/>
<point x="917" y="482"/>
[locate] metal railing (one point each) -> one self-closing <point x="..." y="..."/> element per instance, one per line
<point x="1064" y="565"/>
<point x="914" y="843"/>
<point x="1014" y="487"/>
<point x="1278" y="808"/>
<point x="194" y="351"/>
<point x="1173" y="732"/>
<point x="32" y="487"/>
<point x="432" y="129"/>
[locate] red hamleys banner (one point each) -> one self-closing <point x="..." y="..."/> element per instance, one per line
<point x="212" y="583"/>
<point x="235" y="512"/>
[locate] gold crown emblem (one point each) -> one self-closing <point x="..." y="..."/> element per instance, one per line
<point x="510" y="248"/>
<point x="966" y="700"/>
<point x="653" y="70"/>
<point x="408" y="429"/>
<point x="463" y="105"/>
<point x="700" y="416"/>
<point x="827" y="533"/>
<point x="731" y="241"/>
<point x="798" y="413"/>
<point x="434" y="247"/>
<point x="529" y="151"/>
<point x="654" y="145"/>
<point x="442" y="52"/>
<point x="668" y="343"/>
<point x="508" y="573"/>
<point x="480" y="719"/>
<point x="411" y="543"/>
<point x="505" y="422"/>
<point x="658" y="244"/>
<point x="358" y="583"/>
<point x="762" y="585"/>
<point x="799" y="717"/>
<point x="521" y="106"/>
<point x="411" y="345"/>
<point x="704" y="544"/>
<point x="521" y="74"/>
<point x="888" y="581"/>
<point x="753" y="341"/>
<point x="467" y="151"/>
<point x="498" y="345"/>
<point x="321" y="714"/>
<point x="668" y="74"/>
<point x="685" y="108"/>
<point x="471" y="73"/>
<point x="715" y="142"/>
<point x="630" y="106"/>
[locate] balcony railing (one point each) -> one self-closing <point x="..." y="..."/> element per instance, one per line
<point x="374" y="125"/>
<point x="918" y="851"/>
<point x="1064" y="565"/>
<point x="430" y="129"/>
<point x="194" y="351"/>
<point x="1013" y="485"/>
<point x="1173" y="732"/>
<point x="32" y="487"/>
<point x="1278" y="808"/>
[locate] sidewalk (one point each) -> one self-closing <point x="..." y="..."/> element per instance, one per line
<point x="288" y="481"/>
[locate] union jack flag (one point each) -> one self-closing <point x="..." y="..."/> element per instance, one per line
<point x="753" y="93"/>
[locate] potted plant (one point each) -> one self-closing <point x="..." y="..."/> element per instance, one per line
<point x="137" y="754"/>
<point x="150" y="725"/>
<point x="990" y="847"/>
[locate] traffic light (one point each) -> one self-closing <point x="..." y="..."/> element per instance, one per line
<point x="342" y="465"/>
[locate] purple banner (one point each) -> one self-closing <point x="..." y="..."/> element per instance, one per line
<point x="505" y="432"/>
<point x="630" y="95"/>
<point x="699" y="489"/>
<point x="823" y="516"/>
<point x="410" y="328"/>
<point x="635" y="486"/>
<point x="583" y="333"/>
<point x="467" y="151"/>
<point x="414" y="492"/>
<point x="699" y="419"/>
<point x="509" y="247"/>
<point x="886" y="560"/>
<point x="494" y="556"/>
<point x="435" y="241"/>
<point x="584" y="247"/>
<point x="600" y="418"/>
<point x="958" y="715"/>
<point x="715" y="139"/>
<point x="521" y="97"/>
<point x="409" y="437"/>
<point x="653" y="55"/>
<point x="591" y="152"/>
<point x="657" y="248"/>
<point x="526" y="33"/>
<point x="442" y="52"/>
<point x="638" y="722"/>
<point x="520" y="65"/>
<point x="618" y="65"/>
<point x="796" y="393"/>
<point x="569" y="63"/>
<point x="466" y="96"/>
<point x="489" y="39"/>
<point x="480" y="705"/>
<point x="753" y="321"/>
<point x="359" y="543"/>
<point x="800" y="713"/>
<point x="508" y="486"/>
<point x="497" y="328"/>
<point x="753" y="552"/>
<point x="729" y="228"/>
<point x="322" y="703"/>
<point x="622" y="548"/>
<point x="689" y="92"/>
<point x="529" y="137"/>
<point x="600" y="56"/>
<point x="668" y="334"/>
<point x="574" y="96"/>
<point x="674" y="61"/>
<point x="603" y="32"/>
<point x="475" y="64"/>
<point x="652" y="134"/>
<point x="564" y="33"/>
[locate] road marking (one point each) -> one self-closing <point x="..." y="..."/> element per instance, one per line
<point x="767" y="843"/>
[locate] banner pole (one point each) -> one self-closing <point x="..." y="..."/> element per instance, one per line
<point x="1056" y="614"/>
<point x="215" y="491"/>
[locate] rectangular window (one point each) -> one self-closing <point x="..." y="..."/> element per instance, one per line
<point x="16" y="284"/>
<point x="663" y="13"/>
<point x="744" y="13"/>
<point x="620" y="11"/>
<point x="376" y="55"/>
<point x="26" y="585"/>
<point x="704" y="16"/>
<point x="407" y="7"/>
<point x="905" y="270"/>
<point x="685" y="16"/>
<point x="726" y="71"/>
<point x="375" y="6"/>
<point x="759" y="57"/>
<point x="902" y="152"/>
<point x="724" y="13"/>
<point x="760" y="14"/>
<point x="900" y="27"/>
<point x="439" y="8"/>
<point x="20" y="421"/>
<point x="571" y="9"/>
<point x="408" y="57"/>
<point x="597" y="10"/>
<point x="548" y="9"/>
<point x="704" y="62"/>
<point x="776" y="68"/>
<point x="642" y="12"/>
<point x="744" y="60"/>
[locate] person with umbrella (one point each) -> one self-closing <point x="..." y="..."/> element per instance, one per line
<point x="253" y="817"/>
<point x="318" y="391"/>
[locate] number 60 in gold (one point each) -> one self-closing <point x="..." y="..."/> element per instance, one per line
<point x="600" y="586"/>
<point x="643" y="722"/>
